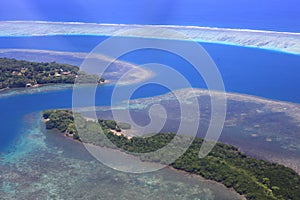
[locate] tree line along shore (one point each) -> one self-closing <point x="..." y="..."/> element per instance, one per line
<point x="19" y="74"/>
<point x="253" y="178"/>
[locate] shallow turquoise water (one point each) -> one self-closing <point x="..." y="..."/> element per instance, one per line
<point x="54" y="168"/>
<point x="59" y="168"/>
<point x="50" y="166"/>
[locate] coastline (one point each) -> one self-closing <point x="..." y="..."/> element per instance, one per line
<point x="290" y="109"/>
<point x="281" y="106"/>
<point x="245" y="129"/>
<point x="106" y="143"/>
<point x="203" y="179"/>
<point x="91" y="147"/>
<point x="185" y="173"/>
<point x="7" y="92"/>
<point x="184" y="92"/>
<point x="121" y="157"/>
<point x="117" y="69"/>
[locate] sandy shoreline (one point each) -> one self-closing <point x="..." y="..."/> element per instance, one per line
<point x="120" y="72"/>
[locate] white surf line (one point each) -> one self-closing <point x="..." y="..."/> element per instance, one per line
<point x="287" y="42"/>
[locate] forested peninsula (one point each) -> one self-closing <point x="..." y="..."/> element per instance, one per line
<point x="253" y="178"/>
<point x="19" y="74"/>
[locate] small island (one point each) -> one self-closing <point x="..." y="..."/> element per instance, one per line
<point x="253" y="178"/>
<point x="19" y="74"/>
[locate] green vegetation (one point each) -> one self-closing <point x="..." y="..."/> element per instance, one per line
<point x="18" y="73"/>
<point x="61" y="120"/>
<point x="256" y="179"/>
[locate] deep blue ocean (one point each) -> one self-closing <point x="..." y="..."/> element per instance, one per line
<point x="257" y="72"/>
<point x="268" y="74"/>
<point x="253" y="71"/>
<point x="275" y="15"/>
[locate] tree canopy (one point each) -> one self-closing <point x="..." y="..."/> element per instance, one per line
<point x="19" y="73"/>
<point x="253" y="178"/>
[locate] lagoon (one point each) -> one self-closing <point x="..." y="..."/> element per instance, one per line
<point x="24" y="141"/>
